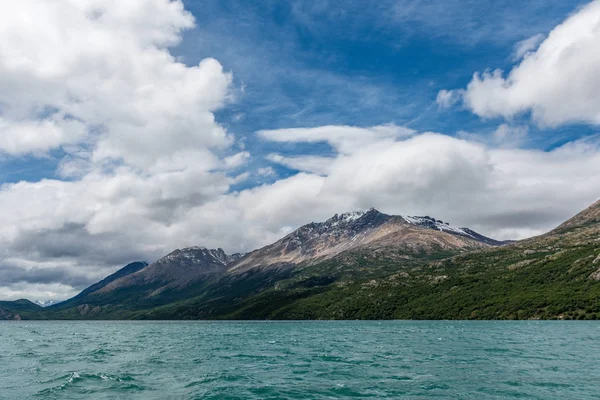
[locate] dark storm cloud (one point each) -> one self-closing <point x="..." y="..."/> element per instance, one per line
<point x="73" y="241"/>
<point x="48" y="275"/>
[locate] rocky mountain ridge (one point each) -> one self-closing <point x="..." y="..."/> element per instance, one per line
<point x="188" y="270"/>
<point x="361" y="230"/>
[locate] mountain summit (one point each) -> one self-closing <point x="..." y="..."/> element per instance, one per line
<point x="140" y="284"/>
<point x="362" y="230"/>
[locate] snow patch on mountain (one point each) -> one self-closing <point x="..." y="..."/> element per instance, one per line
<point x="433" y="223"/>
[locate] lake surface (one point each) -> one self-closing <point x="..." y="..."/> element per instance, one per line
<point x="300" y="360"/>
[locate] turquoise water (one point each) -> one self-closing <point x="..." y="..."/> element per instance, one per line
<point x="300" y="360"/>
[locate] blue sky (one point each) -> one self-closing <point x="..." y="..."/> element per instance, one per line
<point x="128" y="129"/>
<point x="307" y="64"/>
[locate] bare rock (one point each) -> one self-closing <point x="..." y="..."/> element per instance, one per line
<point x="438" y="279"/>
<point x="86" y="309"/>
<point x="520" y="264"/>
<point x="370" y="285"/>
<point x="595" y="276"/>
<point x="7" y="315"/>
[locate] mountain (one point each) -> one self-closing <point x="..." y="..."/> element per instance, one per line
<point x="362" y="230"/>
<point x="319" y="256"/>
<point x="141" y="285"/>
<point x="185" y="278"/>
<point x="177" y="269"/>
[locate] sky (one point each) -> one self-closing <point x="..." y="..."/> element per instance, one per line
<point x="129" y="129"/>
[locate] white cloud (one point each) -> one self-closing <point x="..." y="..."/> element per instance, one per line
<point x="313" y="164"/>
<point x="526" y="46"/>
<point x="52" y="291"/>
<point x="503" y="192"/>
<point x="266" y="172"/>
<point x="237" y="159"/>
<point x="345" y="139"/>
<point x="447" y="98"/>
<point x="558" y="83"/>
<point x="106" y="64"/>
<point x="38" y="136"/>
<point x="95" y="78"/>
<point x="510" y="135"/>
<point x="505" y="136"/>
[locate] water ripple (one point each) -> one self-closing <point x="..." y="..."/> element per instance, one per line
<point x="299" y="360"/>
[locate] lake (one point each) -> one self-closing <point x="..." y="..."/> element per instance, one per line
<point x="300" y="360"/>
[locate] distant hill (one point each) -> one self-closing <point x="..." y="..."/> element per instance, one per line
<point x="11" y="310"/>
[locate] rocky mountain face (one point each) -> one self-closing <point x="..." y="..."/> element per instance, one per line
<point x="372" y="229"/>
<point x="141" y="284"/>
<point x="177" y="269"/>
<point x="8" y="315"/>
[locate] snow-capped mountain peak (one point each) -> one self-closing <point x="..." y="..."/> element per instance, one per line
<point x="46" y="303"/>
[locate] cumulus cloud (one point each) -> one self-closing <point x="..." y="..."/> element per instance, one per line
<point x="266" y="172"/>
<point x="504" y="191"/>
<point x="558" y="83"/>
<point x="510" y="135"/>
<point x="504" y="136"/>
<point x="69" y="65"/>
<point x="38" y="136"/>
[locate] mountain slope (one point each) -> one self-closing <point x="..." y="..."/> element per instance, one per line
<point x="319" y="256"/>
<point x="590" y="217"/>
<point x="81" y="297"/>
<point x="177" y="269"/>
<point x="139" y="286"/>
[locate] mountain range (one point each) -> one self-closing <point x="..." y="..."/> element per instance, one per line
<point x="358" y="265"/>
